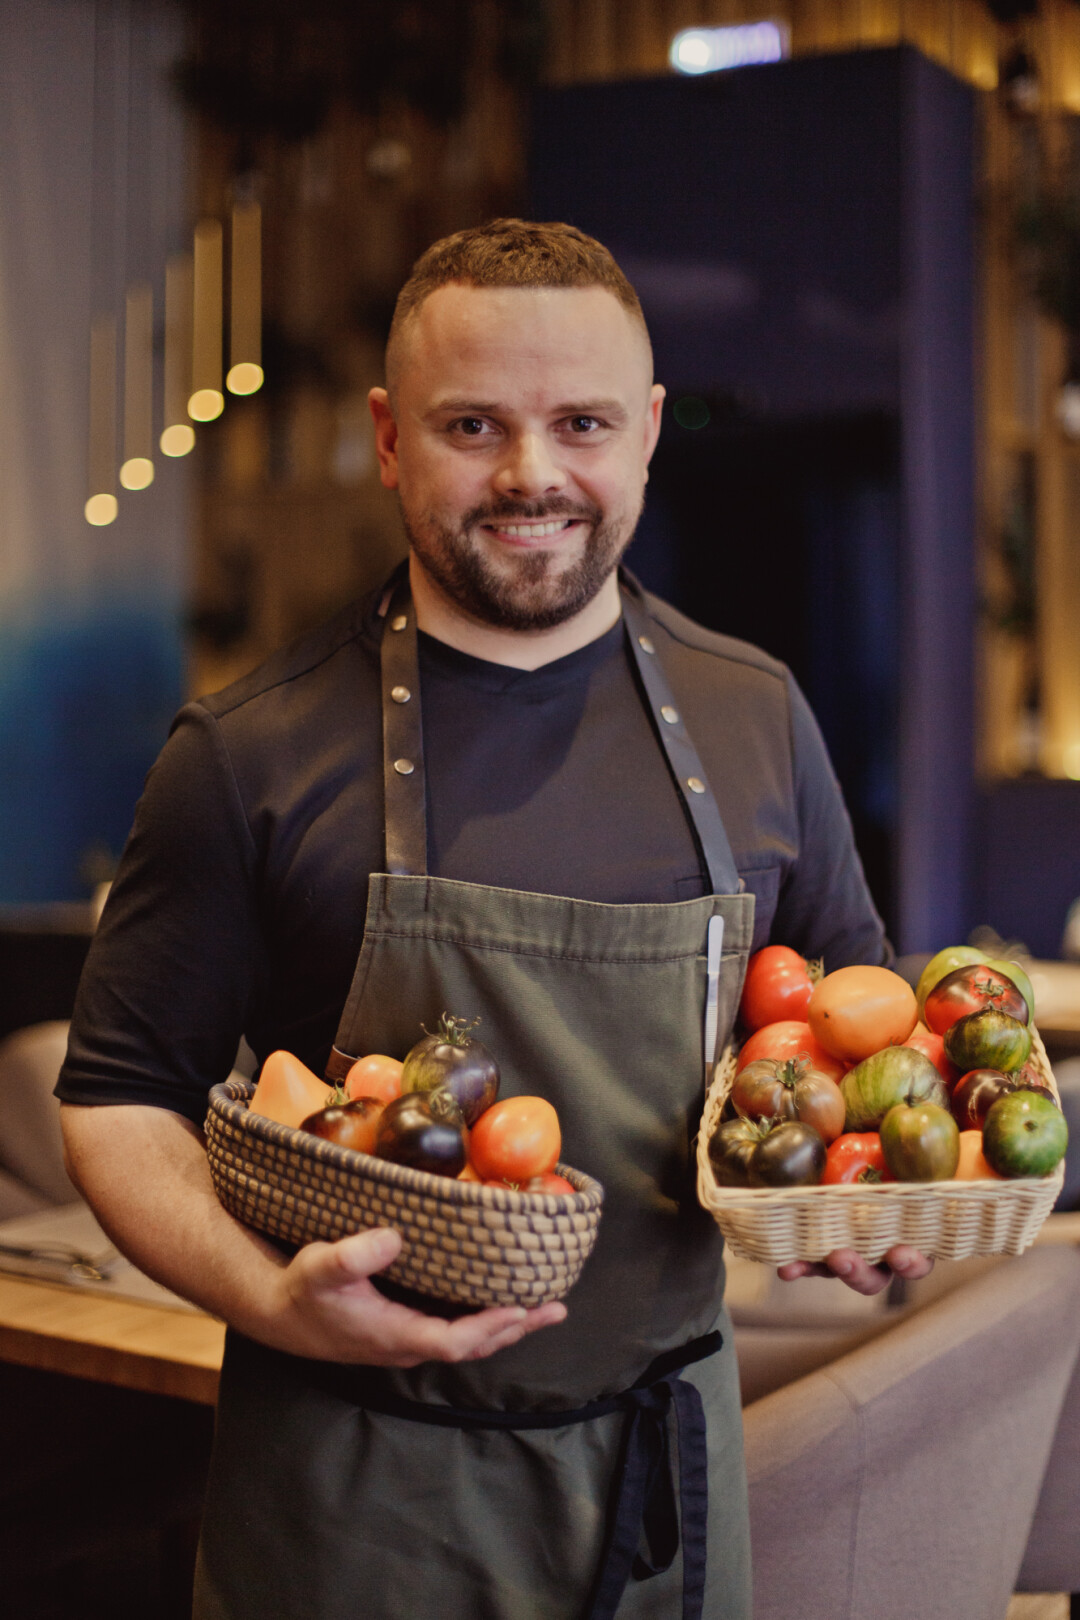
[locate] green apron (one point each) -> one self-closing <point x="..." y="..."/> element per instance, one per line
<point x="393" y="1495"/>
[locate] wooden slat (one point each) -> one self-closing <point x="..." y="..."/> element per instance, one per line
<point x="111" y="1341"/>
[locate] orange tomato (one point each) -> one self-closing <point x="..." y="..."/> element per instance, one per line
<point x="515" y="1139"/>
<point x="375" y="1076"/>
<point x="288" y="1091"/>
<point x="468" y="1174"/>
<point x="857" y="1011"/>
<point x="973" y="1165"/>
<point x="788" y="1038"/>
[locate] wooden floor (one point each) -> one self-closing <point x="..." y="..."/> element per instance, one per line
<point x="1039" y="1606"/>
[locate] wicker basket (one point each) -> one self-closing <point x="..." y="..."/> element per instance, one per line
<point x="463" y="1242"/>
<point x="951" y="1220"/>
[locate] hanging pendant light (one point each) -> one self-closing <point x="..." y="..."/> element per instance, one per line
<point x="101" y="505"/>
<point x="178" y="435"/>
<point x="207" y="400"/>
<point x="245" y="346"/>
<point x="137" y="468"/>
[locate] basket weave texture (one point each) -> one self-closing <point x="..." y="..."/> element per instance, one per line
<point x="463" y="1242"/>
<point x="949" y="1220"/>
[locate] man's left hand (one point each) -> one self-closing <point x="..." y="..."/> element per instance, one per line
<point x="859" y="1274"/>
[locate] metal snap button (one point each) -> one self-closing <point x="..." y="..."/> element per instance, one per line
<point x="404" y="767"/>
<point x="399" y="623"/>
<point x="645" y="644"/>
<point x="695" y="784"/>
<point x="400" y="694"/>
<point x="669" y="714"/>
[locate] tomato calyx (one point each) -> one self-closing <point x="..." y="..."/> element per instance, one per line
<point x="454" y="1031"/>
<point x="815" y="969"/>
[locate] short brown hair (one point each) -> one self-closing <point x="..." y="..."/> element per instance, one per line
<point x="512" y="253"/>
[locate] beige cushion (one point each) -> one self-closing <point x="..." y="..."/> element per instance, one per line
<point x="31" y="1147"/>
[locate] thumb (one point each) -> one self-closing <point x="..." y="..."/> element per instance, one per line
<point x="350" y="1259"/>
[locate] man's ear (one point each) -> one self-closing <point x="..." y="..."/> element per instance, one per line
<point x="386" y="434"/>
<point x="652" y="420"/>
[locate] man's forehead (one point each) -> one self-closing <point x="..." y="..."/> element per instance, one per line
<point x="473" y="327"/>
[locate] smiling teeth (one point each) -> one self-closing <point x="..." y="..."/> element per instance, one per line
<point x="532" y="531"/>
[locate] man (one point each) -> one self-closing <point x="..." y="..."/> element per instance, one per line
<point x="567" y="865"/>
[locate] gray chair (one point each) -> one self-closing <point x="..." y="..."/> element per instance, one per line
<point x="901" y="1480"/>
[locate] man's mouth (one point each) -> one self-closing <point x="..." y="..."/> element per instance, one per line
<point x="530" y="531"/>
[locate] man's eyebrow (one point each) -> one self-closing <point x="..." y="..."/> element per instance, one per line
<point x="474" y="407"/>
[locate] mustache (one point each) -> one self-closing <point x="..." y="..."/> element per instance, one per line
<point x="539" y="511"/>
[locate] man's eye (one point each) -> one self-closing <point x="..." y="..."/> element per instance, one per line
<point x="583" y="424"/>
<point x="470" y="426"/>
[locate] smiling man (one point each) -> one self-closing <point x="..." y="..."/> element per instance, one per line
<point x="511" y="785"/>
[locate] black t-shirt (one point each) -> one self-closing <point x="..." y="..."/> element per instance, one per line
<point x="239" y="904"/>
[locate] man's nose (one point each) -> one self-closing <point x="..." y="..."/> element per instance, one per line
<point x="529" y="468"/>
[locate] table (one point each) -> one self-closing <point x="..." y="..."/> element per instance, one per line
<point x="112" y="1341"/>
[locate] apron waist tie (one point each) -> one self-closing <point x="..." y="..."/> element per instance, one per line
<point x="645" y="1499"/>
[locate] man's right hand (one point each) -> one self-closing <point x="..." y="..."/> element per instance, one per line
<point x="145" y="1174"/>
<point x="329" y="1289"/>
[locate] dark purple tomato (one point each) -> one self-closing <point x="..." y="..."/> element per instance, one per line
<point x="974" y="1093"/>
<point x="452" y="1058"/>
<point x="730" y="1147"/>
<point x="792" y="1089"/>
<point x="424" y="1132"/>
<point x="968" y="990"/>
<point x="988" y="1040"/>
<point x="920" y="1142"/>
<point x="792" y="1155"/>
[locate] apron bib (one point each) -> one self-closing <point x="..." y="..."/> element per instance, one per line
<point x="325" y="1500"/>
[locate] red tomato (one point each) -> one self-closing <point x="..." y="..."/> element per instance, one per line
<point x="933" y="1046"/>
<point x="778" y="985"/>
<point x="856" y="1156"/>
<point x="515" y="1139"/>
<point x="790" y="1039"/>
<point x="857" y="1011"/>
<point x="550" y="1183"/>
<point x="375" y="1076"/>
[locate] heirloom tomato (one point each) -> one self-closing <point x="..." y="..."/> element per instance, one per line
<point x="791" y="1155"/>
<point x="988" y="1040"/>
<point x="288" y="1091"/>
<point x="1025" y="1135"/>
<point x="932" y="1046"/>
<point x="515" y="1140"/>
<point x="549" y="1182"/>
<point x="973" y="1165"/>
<point x="375" y="1076"/>
<point x="920" y="1141"/>
<point x="953" y="956"/>
<point x="858" y="1010"/>
<point x="789" y="1038"/>
<point x="778" y="985"/>
<point x="890" y="1076"/>
<point x="424" y="1132"/>
<point x="975" y="1093"/>
<point x="855" y="1156"/>
<point x="969" y="990"/>
<point x="792" y="1090"/>
<point x="453" y="1058"/>
<point x="730" y="1148"/>
<point x="351" y="1125"/>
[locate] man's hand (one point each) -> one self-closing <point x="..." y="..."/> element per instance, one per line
<point x="328" y="1289"/>
<point x="859" y="1274"/>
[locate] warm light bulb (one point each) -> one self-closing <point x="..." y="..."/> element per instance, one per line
<point x="101" y="509"/>
<point x="137" y="472"/>
<point x="178" y="440"/>
<point x="244" y="378"/>
<point x="205" y="404"/>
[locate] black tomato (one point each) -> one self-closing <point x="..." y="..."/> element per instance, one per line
<point x="730" y="1148"/>
<point x="424" y="1132"/>
<point x="792" y="1155"/>
<point x="451" y="1057"/>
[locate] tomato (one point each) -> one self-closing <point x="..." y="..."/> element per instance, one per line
<point x="789" y="1039"/>
<point x="953" y="956"/>
<point x="858" y="1010"/>
<point x="515" y="1140"/>
<point x="791" y="1155"/>
<point x="778" y="985"/>
<point x="288" y="1091"/>
<point x="375" y="1076"/>
<point x="791" y="1090"/>
<point x="453" y="1058"/>
<point x="549" y="1182"/>
<point x="973" y="1165"/>
<point x="988" y="1040"/>
<point x="1025" y="1135"/>
<point x="351" y="1125"/>
<point x="1013" y="970"/>
<point x="920" y="1142"/>
<point x="856" y="1156"/>
<point x="932" y="1046"/>
<point x="730" y="1148"/>
<point x="968" y="990"/>
<point x="975" y="1093"/>
<point x="424" y="1133"/>
<point x="879" y="1082"/>
<point x="468" y="1174"/>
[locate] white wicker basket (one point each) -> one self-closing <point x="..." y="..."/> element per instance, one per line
<point x="950" y="1220"/>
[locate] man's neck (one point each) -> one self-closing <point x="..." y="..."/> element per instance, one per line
<point x="440" y="617"/>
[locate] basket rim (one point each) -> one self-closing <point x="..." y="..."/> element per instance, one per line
<point x="229" y="1101"/>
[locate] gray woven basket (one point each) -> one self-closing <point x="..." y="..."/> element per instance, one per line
<point x="463" y="1242"/>
<point x="950" y="1220"/>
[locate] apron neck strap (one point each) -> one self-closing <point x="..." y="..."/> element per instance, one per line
<point x="403" y="741"/>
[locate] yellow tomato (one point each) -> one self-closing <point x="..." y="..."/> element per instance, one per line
<point x="973" y="1165"/>
<point x="857" y="1011"/>
<point x="288" y="1091"/>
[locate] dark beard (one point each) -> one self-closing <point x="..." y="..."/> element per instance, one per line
<point x="533" y="599"/>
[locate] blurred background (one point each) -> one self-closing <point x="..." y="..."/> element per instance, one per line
<point x="855" y="229"/>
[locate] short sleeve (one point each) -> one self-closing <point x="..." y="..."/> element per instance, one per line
<point x="178" y="958"/>
<point x="825" y="909"/>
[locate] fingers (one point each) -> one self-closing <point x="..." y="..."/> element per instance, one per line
<point x="909" y="1262"/>
<point x="862" y="1275"/>
<point x="471" y="1338"/>
<point x="859" y="1274"/>
<point x="329" y="1266"/>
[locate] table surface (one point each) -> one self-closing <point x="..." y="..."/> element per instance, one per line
<point x="112" y="1341"/>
